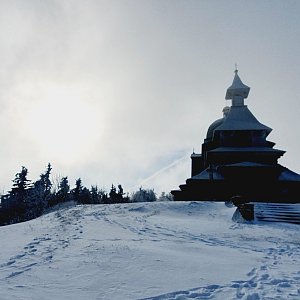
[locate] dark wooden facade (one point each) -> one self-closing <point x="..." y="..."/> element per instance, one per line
<point x="237" y="161"/>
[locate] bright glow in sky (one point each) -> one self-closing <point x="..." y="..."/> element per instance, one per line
<point x="62" y="123"/>
<point x="115" y="91"/>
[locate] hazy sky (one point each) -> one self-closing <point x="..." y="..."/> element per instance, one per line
<point x="115" y="91"/>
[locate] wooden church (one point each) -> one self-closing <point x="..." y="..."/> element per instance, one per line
<point x="237" y="162"/>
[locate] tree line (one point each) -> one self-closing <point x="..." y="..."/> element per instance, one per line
<point x="28" y="200"/>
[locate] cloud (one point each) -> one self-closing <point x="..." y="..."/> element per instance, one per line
<point x="125" y="88"/>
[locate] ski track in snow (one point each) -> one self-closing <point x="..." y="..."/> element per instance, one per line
<point x="276" y="275"/>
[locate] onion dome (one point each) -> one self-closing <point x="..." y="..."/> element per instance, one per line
<point x="238" y="91"/>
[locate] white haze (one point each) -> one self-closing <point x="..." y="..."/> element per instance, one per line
<point x="115" y="91"/>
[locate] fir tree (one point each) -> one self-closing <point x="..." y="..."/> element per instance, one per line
<point x="40" y="194"/>
<point x="62" y="194"/>
<point x="76" y="192"/>
<point x="80" y="193"/>
<point x="18" y="196"/>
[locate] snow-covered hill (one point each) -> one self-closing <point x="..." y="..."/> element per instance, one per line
<point x="149" y="250"/>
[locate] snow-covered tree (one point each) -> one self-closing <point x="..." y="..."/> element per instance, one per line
<point x="166" y="197"/>
<point x="98" y="196"/>
<point x="18" y="196"/>
<point x="80" y="194"/>
<point x="40" y="193"/>
<point x="143" y="195"/>
<point x="77" y="191"/>
<point x="117" y="196"/>
<point x="62" y="194"/>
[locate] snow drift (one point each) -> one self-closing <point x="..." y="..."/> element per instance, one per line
<point x="184" y="250"/>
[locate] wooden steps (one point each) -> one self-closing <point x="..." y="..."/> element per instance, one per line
<point x="270" y="212"/>
<point x="277" y="212"/>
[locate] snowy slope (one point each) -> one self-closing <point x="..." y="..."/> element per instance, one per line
<point x="149" y="250"/>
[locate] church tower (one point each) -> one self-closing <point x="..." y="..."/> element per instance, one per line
<point x="237" y="160"/>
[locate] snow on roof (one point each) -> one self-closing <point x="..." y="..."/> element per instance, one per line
<point x="213" y="126"/>
<point x="237" y="88"/>
<point x="241" y="118"/>
<point x="206" y="175"/>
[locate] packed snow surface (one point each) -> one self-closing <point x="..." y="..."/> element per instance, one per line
<point x="167" y="250"/>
